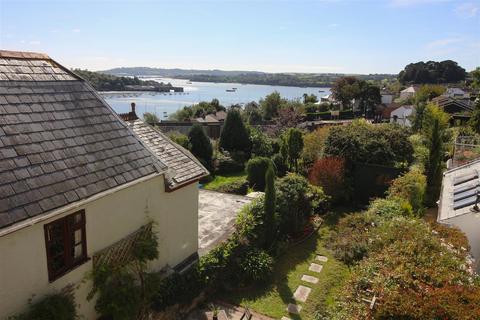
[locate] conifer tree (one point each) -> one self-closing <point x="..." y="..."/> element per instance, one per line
<point x="200" y="145"/>
<point x="269" y="206"/>
<point x="235" y="135"/>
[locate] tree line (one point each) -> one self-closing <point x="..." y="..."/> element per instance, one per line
<point x="107" y="82"/>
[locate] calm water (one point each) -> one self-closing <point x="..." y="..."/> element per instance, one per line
<point x="164" y="104"/>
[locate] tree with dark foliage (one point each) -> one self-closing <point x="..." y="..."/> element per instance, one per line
<point x="447" y="71"/>
<point x="269" y="206"/>
<point x="235" y="135"/>
<point x="200" y="145"/>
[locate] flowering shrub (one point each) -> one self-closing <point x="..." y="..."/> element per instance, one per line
<point x="329" y="173"/>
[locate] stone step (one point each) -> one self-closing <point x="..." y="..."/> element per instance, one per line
<point x="294" y="308"/>
<point x="309" y="279"/>
<point x="302" y="293"/>
<point x="321" y="258"/>
<point x="315" y="267"/>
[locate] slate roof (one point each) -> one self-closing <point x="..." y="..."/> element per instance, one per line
<point x="450" y="104"/>
<point x="183" y="167"/>
<point x="207" y="119"/>
<point x="59" y="142"/>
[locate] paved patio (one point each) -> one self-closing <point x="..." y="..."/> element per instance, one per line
<point x="216" y="217"/>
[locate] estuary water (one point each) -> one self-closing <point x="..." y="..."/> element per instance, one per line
<point x="163" y="104"/>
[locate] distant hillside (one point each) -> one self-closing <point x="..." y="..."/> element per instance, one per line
<point x="107" y="82"/>
<point x="250" y="77"/>
<point x="172" y="73"/>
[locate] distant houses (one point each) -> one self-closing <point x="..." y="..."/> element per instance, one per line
<point x="387" y="97"/>
<point x="212" y="124"/>
<point x="459" y="109"/>
<point x="456" y="93"/>
<point x="408" y="93"/>
<point x="402" y="115"/>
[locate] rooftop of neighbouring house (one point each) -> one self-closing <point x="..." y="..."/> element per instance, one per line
<point x="59" y="141"/>
<point x="459" y="190"/>
<point x="447" y="102"/>
<point x="410" y="89"/>
<point x="183" y="167"/>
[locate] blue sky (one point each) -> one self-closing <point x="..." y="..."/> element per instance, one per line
<point x="276" y="36"/>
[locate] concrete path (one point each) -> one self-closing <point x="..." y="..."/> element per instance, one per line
<point x="309" y="279"/>
<point x="216" y="217"/>
<point x="302" y="292"/>
<point x="315" y="267"/>
<point x="321" y="258"/>
<point x="294" y="308"/>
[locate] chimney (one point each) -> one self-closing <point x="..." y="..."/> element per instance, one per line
<point x="129" y="116"/>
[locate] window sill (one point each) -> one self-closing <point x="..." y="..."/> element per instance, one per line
<point x="75" y="266"/>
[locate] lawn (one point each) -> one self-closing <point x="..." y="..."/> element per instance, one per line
<point x="272" y="299"/>
<point x="220" y="180"/>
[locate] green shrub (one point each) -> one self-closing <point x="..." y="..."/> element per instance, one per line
<point x="256" y="169"/>
<point x="390" y="208"/>
<point x="410" y="187"/>
<point x="119" y="295"/>
<point x="319" y="201"/>
<point x="350" y="241"/>
<point x="261" y="144"/>
<point x="249" y="222"/>
<point x="179" y="288"/>
<point x="256" y="266"/>
<point x="296" y="201"/>
<point x="236" y="187"/>
<point x="124" y="290"/>
<point x="226" y="164"/>
<point x="180" y="139"/>
<point x="51" y="307"/>
<point x="383" y="144"/>
<point x="280" y="164"/>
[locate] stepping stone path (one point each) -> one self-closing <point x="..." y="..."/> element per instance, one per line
<point x="309" y="279"/>
<point x="321" y="258"/>
<point x="315" y="267"/>
<point x="302" y="293"/>
<point x="293" y="308"/>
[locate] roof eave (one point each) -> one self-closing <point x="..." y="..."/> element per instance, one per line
<point x="74" y="205"/>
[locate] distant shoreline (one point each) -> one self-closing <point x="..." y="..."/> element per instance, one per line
<point x="314" y="80"/>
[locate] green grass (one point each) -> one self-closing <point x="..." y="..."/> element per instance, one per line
<point x="220" y="180"/>
<point x="272" y="299"/>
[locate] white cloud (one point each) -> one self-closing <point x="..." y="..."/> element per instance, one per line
<point x="467" y="10"/>
<point x="333" y="25"/>
<point x="442" y="43"/>
<point x="34" y="42"/>
<point x="76" y="30"/>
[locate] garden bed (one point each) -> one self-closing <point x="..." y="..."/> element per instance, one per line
<point x="271" y="299"/>
<point x="218" y="182"/>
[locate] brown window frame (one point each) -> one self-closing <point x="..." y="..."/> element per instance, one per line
<point x="68" y="227"/>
